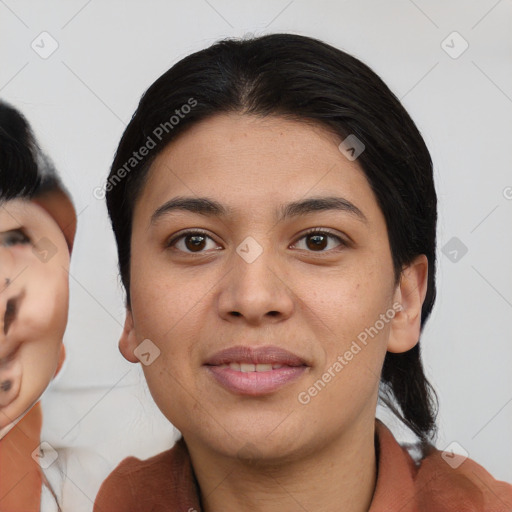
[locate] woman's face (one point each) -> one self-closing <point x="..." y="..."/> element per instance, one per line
<point x="34" y="264"/>
<point x="253" y="279"/>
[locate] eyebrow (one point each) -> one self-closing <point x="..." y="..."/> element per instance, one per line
<point x="210" y="207"/>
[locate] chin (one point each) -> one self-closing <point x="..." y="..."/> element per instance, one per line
<point x="250" y="440"/>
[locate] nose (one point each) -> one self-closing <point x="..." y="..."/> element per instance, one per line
<point x="255" y="290"/>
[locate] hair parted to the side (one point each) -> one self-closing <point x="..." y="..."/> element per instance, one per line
<point x="304" y="79"/>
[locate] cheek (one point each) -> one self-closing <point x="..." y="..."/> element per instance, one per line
<point x="169" y="312"/>
<point x="40" y="351"/>
<point x="169" y="318"/>
<point x="39" y="363"/>
<point x="346" y="301"/>
<point x="167" y="301"/>
<point x="157" y="307"/>
<point x="345" y="382"/>
<point x="347" y="309"/>
<point x="47" y="307"/>
<point x="172" y="388"/>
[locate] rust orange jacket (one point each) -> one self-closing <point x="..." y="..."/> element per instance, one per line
<point x="166" y="483"/>
<point x="20" y="475"/>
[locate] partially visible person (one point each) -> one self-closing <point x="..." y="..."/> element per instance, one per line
<point x="37" y="230"/>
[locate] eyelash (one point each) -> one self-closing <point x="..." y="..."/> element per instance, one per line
<point x="312" y="231"/>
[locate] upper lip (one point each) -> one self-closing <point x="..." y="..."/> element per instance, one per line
<point x="256" y="355"/>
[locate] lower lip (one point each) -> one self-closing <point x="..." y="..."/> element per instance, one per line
<point x="255" y="383"/>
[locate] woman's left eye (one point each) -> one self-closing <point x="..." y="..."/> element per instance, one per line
<point x="317" y="239"/>
<point x="14" y="237"/>
<point x="195" y="241"/>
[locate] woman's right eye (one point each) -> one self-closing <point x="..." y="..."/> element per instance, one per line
<point x="192" y="239"/>
<point x="13" y="237"/>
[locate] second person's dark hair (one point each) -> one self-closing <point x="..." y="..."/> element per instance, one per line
<point x="25" y="170"/>
<point x="305" y="79"/>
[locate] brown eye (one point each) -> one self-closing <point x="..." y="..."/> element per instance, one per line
<point x="317" y="240"/>
<point x="190" y="241"/>
<point x="195" y="242"/>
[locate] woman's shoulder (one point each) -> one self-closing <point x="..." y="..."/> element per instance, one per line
<point x="424" y="478"/>
<point x="164" y="480"/>
<point x="445" y="479"/>
<point x="133" y="468"/>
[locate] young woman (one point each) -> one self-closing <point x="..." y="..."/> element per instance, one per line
<point x="37" y="229"/>
<point x="275" y="216"/>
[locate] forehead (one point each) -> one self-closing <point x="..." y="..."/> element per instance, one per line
<point x="263" y="162"/>
<point x="18" y="212"/>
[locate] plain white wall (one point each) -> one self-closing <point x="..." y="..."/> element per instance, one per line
<point x="79" y="99"/>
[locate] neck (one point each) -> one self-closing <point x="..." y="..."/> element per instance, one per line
<point x="335" y="475"/>
<point x="20" y="476"/>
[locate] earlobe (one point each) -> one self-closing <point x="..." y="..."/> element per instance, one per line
<point x="410" y="294"/>
<point x="128" y="341"/>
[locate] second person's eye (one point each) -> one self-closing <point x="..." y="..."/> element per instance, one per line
<point x="13" y="237"/>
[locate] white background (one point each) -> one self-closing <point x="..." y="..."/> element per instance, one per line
<point x="80" y="98"/>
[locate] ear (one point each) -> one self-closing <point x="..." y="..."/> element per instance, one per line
<point x="128" y="342"/>
<point x="410" y="294"/>
<point x="62" y="357"/>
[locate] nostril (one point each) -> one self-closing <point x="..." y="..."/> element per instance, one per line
<point x="10" y="314"/>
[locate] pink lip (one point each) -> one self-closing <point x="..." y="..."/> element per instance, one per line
<point x="255" y="383"/>
<point x="255" y="355"/>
